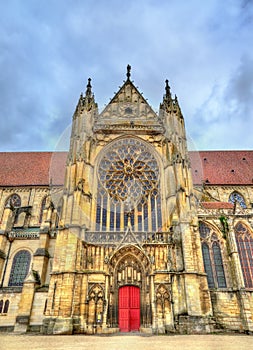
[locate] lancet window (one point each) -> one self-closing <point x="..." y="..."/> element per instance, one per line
<point x="128" y="187"/>
<point x="244" y="243"/>
<point x="212" y="256"/>
<point x="20" y="268"/>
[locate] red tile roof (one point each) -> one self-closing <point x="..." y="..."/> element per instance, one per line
<point x="32" y="168"/>
<point x="222" y="167"/>
<point x="217" y="205"/>
<point x="41" y="168"/>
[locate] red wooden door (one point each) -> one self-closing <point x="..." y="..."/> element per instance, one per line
<point x="129" y="308"/>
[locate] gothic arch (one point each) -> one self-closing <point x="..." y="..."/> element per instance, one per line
<point x="237" y="197"/>
<point x="212" y="227"/>
<point x="129" y="265"/>
<point x="95" y="301"/>
<point x="128" y="181"/>
<point x="129" y="250"/>
<point x="244" y="241"/>
<point x="14" y="201"/>
<point x="213" y="255"/>
<point x="243" y="225"/>
<point x="163" y="299"/>
<point x="20" y="266"/>
<point x="127" y="137"/>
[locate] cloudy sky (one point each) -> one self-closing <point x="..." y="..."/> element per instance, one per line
<point x="48" y="50"/>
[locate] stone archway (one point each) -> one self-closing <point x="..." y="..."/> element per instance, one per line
<point x="129" y="266"/>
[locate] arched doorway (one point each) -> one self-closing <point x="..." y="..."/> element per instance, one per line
<point x="129" y="308"/>
<point x="129" y="305"/>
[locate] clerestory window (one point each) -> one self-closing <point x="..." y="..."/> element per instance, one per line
<point x="236" y="197"/>
<point x="15" y="202"/>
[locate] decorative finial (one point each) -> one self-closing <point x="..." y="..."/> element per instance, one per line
<point x="167" y="88"/>
<point x="88" y="90"/>
<point x="128" y="71"/>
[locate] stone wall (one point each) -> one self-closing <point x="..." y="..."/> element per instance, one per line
<point x="13" y="295"/>
<point x="226" y="309"/>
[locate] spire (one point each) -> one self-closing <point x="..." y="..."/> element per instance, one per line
<point x="86" y="102"/>
<point x="88" y="90"/>
<point x="128" y="71"/>
<point x="169" y="103"/>
<point x="167" y="100"/>
<point x="167" y="89"/>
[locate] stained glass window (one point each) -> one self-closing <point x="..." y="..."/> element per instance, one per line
<point x="204" y="230"/>
<point x="212" y="257"/>
<point x="244" y="243"/>
<point x="208" y="265"/>
<point x="20" y="268"/>
<point x="236" y="197"/>
<point x="14" y="200"/>
<point x="219" y="270"/>
<point x="128" y="186"/>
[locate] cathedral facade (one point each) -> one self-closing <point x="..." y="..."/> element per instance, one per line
<point x="128" y="231"/>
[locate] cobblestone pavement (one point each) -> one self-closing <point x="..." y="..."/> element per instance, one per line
<point x="130" y="342"/>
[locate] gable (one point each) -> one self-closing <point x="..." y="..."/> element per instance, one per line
<point x="128" y="108"/>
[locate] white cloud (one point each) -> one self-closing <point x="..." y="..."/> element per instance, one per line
<point x="48" y="52"/>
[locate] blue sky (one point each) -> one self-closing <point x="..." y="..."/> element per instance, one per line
<point x="48" y="50"/>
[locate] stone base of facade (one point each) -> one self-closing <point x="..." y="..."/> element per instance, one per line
<point x="146" y="330"/>
<point x="66" y="326"/>
<point x="22" y="324"/>
<point x="194" y="325"/>
<point x="184" y="325"/>
<point x="63" y="326"/>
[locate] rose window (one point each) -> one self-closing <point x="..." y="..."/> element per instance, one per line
<point x="129" y="173"/>
<point x="128" y="182"/>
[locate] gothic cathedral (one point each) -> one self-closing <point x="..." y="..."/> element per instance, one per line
<point x="140" y="235"/>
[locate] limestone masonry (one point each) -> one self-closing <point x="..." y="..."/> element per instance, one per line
<point x="128" y="231"/>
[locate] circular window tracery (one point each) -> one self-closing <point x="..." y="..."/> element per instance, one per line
<point x="129" y="172"/>
<point x="128" y="188"/>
